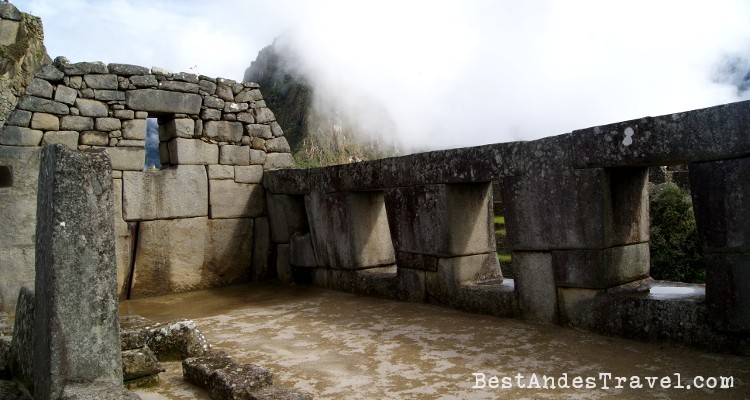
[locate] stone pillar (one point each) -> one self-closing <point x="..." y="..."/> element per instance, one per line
<point x="586" y="228"/>
<point x="444" y="231"/>
<point x="76" y="338"/>
<point x="721" y="201"/>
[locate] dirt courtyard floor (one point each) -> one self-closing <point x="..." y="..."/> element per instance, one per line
<point x="335" y="345"/>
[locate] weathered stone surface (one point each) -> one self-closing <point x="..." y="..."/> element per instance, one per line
<point x="236" y="381"/>
<point x="234" y="155"/>
<point x="123" y="244"/>
<point x="134" y="129"/>
<point x="232" y="107"/>
<point x="276" y="129"/>
<point x="257" y="157"/>
<point x="142" y="81"/>
<point x="721" y="200"/>
<point x="224" y="131"/>
<point x="17" y="136"/>
<point x="278" y="160"/>
<point x="186" y="77"/>
<point x="220" y="172"/>
<point x="264" y="115"/>
<point x="179" y="86"/>
<point x="127" y="69"/>
<point x="177" y="192"/>
<point x="228" y="199"/>
<point x="38" y="104"/>
<point x="454" y="272"/>
<point x="259" y="130"/>
<point x="209" y="114"/>
<point x="107" y="81"/>
<point x="728" y="291"/>
<point x="246" y="117"/>
<point x="127" y="158"/>
<point x="278" y="393"/>
<point x="192" y="151"/>
<point x="207" y="86"/>
<point x="50" y="73"/>
<point x="124" y="114"/>
<point x="94" y="138"/>
<point x="261" y="249"/>
<point x="137" y="363"/>
<point x="667" y="139"/>
<point x="22" y="344"/>
<point x="349" y="230"/>
<point x="177" y="127"/>
<point x="67" y="138"/>
<point x="65" y="95"/>
<point x="601" y="268"/>
<point x="20" y="118"/>
<point x="97" y="391"/>
<point x="108" y="124"/>
<point x="301" y="252"/>
<point x="177" y="340"/>
<point x="18" y="210"/>
<point x="76" y="336"/>
<point x="198" y="370"/>
<point x="284" y="269"/>
<point x="91" y="108"/>
<point x="83" y="68"/>
<point x="130" y="143"/>
<point x="277" y="145"/>
<point x="535" y="283"/>
<point x="40" y="88"/>
<point x="249" y="95"/>
<point x="248" y="174"/>
<point x="45" y="122"/>
<point x="287" y="215"/>
<point x="229" y="251"/>
<point x="154" y="100"/>
<point x="109" y="95"/>
<point x="76" y="123"/>
<point x="213" y="102"/>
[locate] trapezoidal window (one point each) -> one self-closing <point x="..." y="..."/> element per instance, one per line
<point x="6" y="176"/>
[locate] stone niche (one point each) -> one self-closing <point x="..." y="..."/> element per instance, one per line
<point x="187" y="225"/>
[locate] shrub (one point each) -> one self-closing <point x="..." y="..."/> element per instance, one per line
<point x="676" y="254"/>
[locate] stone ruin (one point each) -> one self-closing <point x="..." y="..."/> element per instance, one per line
<point x="187" y="226"/>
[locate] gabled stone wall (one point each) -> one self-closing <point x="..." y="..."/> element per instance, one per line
<point x="191" y="224"/>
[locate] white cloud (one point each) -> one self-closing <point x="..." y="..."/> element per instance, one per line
<point x="451" y="73"/>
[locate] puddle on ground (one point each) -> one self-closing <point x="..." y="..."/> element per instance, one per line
<point x="340" y="346"/>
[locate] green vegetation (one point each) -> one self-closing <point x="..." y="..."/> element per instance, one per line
<point x="675" y="251"/>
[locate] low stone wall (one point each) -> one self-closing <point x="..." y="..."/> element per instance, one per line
<point x="576" y="213"/>
<point x="187" y="226"/>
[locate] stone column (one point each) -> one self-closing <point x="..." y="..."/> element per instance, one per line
<point x="76" y="338"/>
<point x="573" y="228"/>
<point x="721" y="201"/>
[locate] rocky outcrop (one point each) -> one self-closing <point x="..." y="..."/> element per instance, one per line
<point x="22" y="53"/>
<point x="320" y="129"/>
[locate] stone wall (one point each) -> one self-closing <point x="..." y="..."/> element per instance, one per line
<point x="189" y="225"/>
<point x="576" y="212"/>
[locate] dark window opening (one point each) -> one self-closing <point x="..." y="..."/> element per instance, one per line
<point x="6" y="176"/>
<point x="152" y="160"/>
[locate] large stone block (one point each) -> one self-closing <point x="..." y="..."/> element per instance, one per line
<point x="162" y="101"/>
<point x="45" y="122"/>
<point x="544" y="206"/>
<point x="76" y="336"/>
<point x="177" y="127"/>
<point x="91" y="108"/>
<point x="191" y="253"/>
<point x="248" y="174"/>
<point x="234" y="155"/>
<point x="728" y="291"/>
<point x="721" y="200"/>
<point x="127" y="158"/>
<point x="134" y="129"/>
<point x="276" y="160"/>
<point x="38" y="104"/>
<point x="177" y="192"/>
<point x="601" y="268"/>
<point x="441" y="220"/>
<point x="224" y="131"/>
<point x="192" y="151"/>
<point x="40" y="88"/>
<point x="18" y="213"/>
<point x="229" y="199"/>
<point x="169" y="256"/>
<point x="67" y="138"/>
<point x="349" y="230"/>
<point x="22" y="344"/>
<point x="17" y="136"/>
<point x="76" y="123"/>
<point x="301" y="251"/>
<point x="99" y="81"/>
<point x="535" y="283"/>
<point x="287" y="215"/>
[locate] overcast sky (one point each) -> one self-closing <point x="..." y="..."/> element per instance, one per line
<point x="451" y="73"/>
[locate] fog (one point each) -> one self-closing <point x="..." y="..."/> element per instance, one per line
<point x="450" y="73"/>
